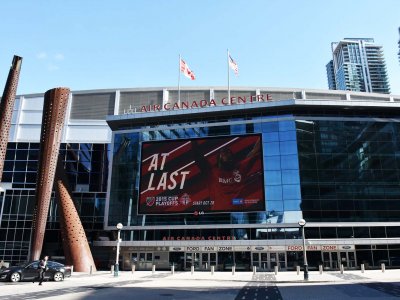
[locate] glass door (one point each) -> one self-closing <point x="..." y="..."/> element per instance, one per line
<point x="334" y="260"/>
<point x="326" y="260"/>
<point x="205" y="264"/>
<point x="212" y="259"/>
<point x="273" y="260"/>
<point x="208" y="259"/>
<point x="256" y="260"/>
<point x="264" y="261"/>
<point x="282" y="261"/>
<point x="348" y="259"/>
<point x="351" y="258"/>
<point x="343" y="259"/>
<point x="142" y="260"/>
<point x="192" y="259"/>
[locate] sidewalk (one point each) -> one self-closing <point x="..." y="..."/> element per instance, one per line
<point x="80" y="282"/>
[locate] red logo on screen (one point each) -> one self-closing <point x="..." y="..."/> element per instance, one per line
<point x="150" y="201"/>
<point x="185" y="199"/>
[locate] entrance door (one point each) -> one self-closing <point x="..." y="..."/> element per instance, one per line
<point x="192" y="259"/>
<point x="267" y="261"/>
<point x="351" y="256"/>
<point x="282" y="260"/>
<point x="142" y="260"/>
<point x="333" y="260"/>
<point x="208" y="259"/>
<point x="348" y="259"/>
<point x="264" y="261"/>
<point x="327" y="260"/>
<point x="330" y="260"/>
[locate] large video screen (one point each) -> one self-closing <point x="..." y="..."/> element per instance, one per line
<point x="203" y="175"/>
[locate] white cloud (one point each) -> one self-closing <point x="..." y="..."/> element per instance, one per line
<point x="41" y="55"/>
<point x="52" y="67"/>
<point x="59" y="56"/>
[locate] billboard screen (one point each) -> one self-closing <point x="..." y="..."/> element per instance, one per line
<point x="203" y="175"/>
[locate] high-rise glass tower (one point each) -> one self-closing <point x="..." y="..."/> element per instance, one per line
<point x="358" y="65"/>
<point x="330" y="72"/>
<point x="399" y="46"/>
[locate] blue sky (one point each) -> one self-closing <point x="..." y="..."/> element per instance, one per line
<point x="97" y="44"/>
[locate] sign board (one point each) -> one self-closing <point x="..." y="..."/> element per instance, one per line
<point x="203" y="175"/>
<point x="321" y="247"/>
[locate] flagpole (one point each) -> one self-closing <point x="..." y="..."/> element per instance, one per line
<point x="179" y="80"/>
<point x="229" y="88"/>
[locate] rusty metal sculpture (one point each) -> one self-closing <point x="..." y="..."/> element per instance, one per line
<point x="6" y="108"/>
<point x="75" y="244"/>
<point x="54" y="111"/>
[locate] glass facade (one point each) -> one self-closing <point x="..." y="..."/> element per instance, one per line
<point x="87" y="168"/>
<point x="349" y="170"/>
<point x="330" y="170"/>
<point x="327" y="170"/>
<point x="281" y="173"/>
<point x="336" y="167"/>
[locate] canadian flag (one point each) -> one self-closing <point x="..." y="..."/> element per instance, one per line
<point x="233" y="65"/>
<point x="186" y="71"/>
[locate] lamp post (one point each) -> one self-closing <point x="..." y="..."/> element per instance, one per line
<point x="302" y="223"/>
<point x="116" y="269"/>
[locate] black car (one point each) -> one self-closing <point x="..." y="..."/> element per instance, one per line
<point x="30" y="272"/>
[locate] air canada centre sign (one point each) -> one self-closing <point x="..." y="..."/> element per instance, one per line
<point x="200" y="103"/>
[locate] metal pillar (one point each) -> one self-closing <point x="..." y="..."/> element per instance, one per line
<point x="7" y="106"/>
<point x="116" y="271"/>
<point x="76" y="247"/>
<point x="302" y="223"/>
<point x="54" y="110"/>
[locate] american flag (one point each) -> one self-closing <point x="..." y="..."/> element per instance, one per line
<point x="186" y="70"/>
<point x="233" y="65"/>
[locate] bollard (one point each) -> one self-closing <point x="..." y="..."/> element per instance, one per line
<point x="172" y="269"/>
<point x="212" y="270"/>
<point x="341" y="269"/>
<point x="112" y="269"/>
<point x="192" y="269"/>
<point x="153" y="269"/>
<point x="254" y="270"/>
<point x="206" y="266"/>
<point x="233" y="269"/>
<point x="298" y="270"/>
<point x="276" y="270"/>
<point x="321" y="269"/>
<point x="91" y="270"/>
<point x="133" y="268"/>
<point x="383" y="268"/>
<point x="72" y="269"/>
<point x="362" y="268"/>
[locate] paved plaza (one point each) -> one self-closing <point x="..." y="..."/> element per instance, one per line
<point x="146" y="285"/>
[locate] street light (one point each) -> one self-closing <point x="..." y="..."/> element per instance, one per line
<point x="302" y="223"/>
<point x="116" y="269"/>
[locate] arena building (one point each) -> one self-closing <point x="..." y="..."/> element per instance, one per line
<point x="201" y="180"/>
